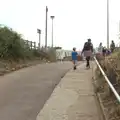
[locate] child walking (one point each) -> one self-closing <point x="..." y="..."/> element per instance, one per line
<point x="74" y="58"/>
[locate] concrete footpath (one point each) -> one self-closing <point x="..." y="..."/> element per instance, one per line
<point x="73" y="98"/>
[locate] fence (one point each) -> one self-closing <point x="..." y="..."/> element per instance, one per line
<point x="60" y="54"/>
<point x="31" y="44"/>
<point x="53" y="53"/>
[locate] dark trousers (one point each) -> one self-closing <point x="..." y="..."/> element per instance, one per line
<point x="112" y="50"/>
<point x="87" y="60"/>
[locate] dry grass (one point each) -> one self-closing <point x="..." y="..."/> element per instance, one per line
<point x="9" y="66"/>
<point x="111" y="67"/>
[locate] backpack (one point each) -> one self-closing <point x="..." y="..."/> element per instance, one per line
<point x="88" y="46"/>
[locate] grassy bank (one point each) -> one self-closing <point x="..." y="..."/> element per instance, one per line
<point x="16" y="53"/>
<point x="111" y="67"/>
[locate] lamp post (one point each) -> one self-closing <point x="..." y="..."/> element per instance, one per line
<point x="119" y="29"/>
<point x="52" y="17"/>
<point x="108" y="24"/>
<point x="46" y="26"/>
<point x="119" y="34"/>
<point x="39" y="32"/>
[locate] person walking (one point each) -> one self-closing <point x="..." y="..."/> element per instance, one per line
<point x="74" y="58"/>
<point x="100" y="48"/>
<point x="104" y="51"/>
<point x="112" y="46"/>
<point x="88" y="50"/>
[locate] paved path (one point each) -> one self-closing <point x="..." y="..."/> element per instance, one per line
<point x="73" y="98"/>
<point x="23" y="93"/>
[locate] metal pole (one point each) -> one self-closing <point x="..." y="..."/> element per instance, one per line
<point x="39" y="32"/>
<point x="108" y="24"/>
<point x="52" y="17"/>
<point x="119" y="34"/>
<point x="46" y="27"/>
<point x="39" y="40"/>
<point x="119" y="26"/>
<point x="52" y="32"/>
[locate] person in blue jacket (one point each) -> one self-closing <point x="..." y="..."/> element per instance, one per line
<point x="74" y="58"/>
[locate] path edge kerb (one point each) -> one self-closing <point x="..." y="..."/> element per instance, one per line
<point x="99" y="101"/>
<point x="37" y="117"/>
<point x="14" y="69"/>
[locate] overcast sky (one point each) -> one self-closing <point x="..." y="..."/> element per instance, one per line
<point x="75" y="20"/>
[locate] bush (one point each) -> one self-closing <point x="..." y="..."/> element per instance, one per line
<point x="11" y="44"/>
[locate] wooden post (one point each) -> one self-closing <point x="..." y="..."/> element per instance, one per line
<point x="27" y="42"/>
<point x="31" y="44"/>
<point x="34" y="45"/>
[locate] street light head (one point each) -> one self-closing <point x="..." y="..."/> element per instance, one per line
<point x="52" y="17"/>
<point x="39" y="31"/>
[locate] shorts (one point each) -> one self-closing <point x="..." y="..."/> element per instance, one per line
<point x="74" y="62"/>
<point x="87" y="53"/>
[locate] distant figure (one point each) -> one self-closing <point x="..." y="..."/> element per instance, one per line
<point x="112" y="46"/>
<point x="88" y="50"/>
<point x="100" y="48"/>
<point x="104" y="50"/>
<point x="74" y="58"/>
<point x="108" y="52"/>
